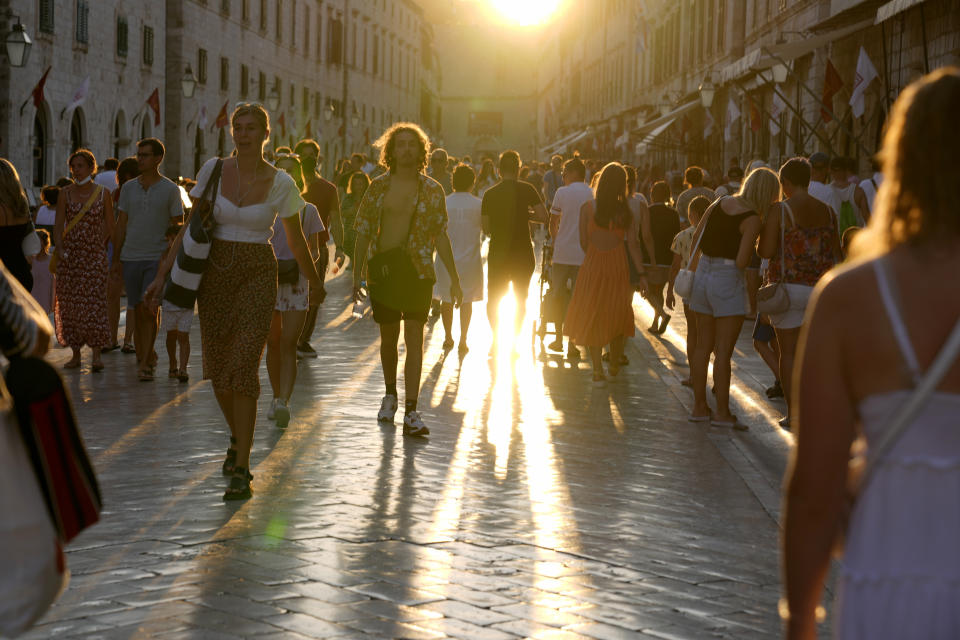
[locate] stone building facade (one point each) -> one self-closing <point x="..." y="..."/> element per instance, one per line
<point x="342" y="70"/>
<point x="649" y="109"/>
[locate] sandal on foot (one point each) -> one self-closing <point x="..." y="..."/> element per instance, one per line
<point x="182" y="375"/>
<point x="231" y="461"/>
<point x="127" y="348"/>
<point x="173" y="374"/>
<point x="96" y="367"/>
<point x="145" y="375"/>
<point x="239" y="488"/>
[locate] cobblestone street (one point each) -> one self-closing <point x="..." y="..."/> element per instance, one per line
<point x="539" y="507"/>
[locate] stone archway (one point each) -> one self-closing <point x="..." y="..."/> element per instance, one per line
<point x="78" y="131"/>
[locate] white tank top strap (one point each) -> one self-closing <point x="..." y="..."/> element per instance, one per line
<point x="786" y="209"/>
<point x="890" y="297"/>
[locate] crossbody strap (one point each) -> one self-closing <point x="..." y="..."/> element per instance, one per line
<point x="83" y="211"/>
<point x="908" y="410"/>
<point x="706" y="217"/>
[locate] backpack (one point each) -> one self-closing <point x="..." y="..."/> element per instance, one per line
<point x="847" y="215"/>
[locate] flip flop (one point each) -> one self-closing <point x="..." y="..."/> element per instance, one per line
<point x="128" y="348"/>
<point x="146" y="376"/>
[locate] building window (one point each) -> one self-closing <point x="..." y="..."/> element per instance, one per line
<point x="319" y="36"/>
<point x="244" y="81"/>
<point x="123" y="36"/>
<point x="202" y="66"/>
<point x="279" y="25"/>
<point x="224" y="74"/>
<point x="46" y="16"/>
<point x="376" y="54"/>
<point x="263" y="15"/>
<point x="147" y="45"/>
<point x="306" y="31"/>
<point x="293" y="24"/>
<point x="293" y="96"/>
<point x="83" y="19"/>
<point x="261" y="86"/>
<point x="225" y="7"/>
<point x="306" y="100"/>
<point x="335" y="42"/>
<point x="245" y="11"/>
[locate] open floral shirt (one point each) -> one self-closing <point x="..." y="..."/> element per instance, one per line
<point x="430" y="220"/>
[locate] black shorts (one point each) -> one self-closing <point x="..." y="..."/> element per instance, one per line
<point x="763" y="331"/>
<point x="500" y="276"/>
<point x="418" y="312"/>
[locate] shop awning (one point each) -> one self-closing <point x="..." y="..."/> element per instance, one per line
<point x="658" y="125"/>
<point x="557" y="144"/>
<point x="764" y="57"/>
<point x="894" y="7"/>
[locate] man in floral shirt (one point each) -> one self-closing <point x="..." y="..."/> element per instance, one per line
<point x="403" y="209"/>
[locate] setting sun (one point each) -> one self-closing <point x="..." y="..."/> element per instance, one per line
<point x="526" y="12"/>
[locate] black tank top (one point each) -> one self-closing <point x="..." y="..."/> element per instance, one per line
<point x="11" y="252"/>
<point x="721" y="237"/>
<point x="664" y="225"/>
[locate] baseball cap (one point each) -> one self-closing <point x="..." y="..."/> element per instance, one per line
<point x="820" y="159"/>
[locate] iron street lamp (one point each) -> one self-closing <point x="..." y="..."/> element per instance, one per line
<point x="779" y="73"/>
<point x="707" y="91"/>
<point x="18" y="45"/>
<point x="329" y="111"/>
<point x="273" y="100"/>
<point x="188" y="83"/>
<point x="354" y="117"/>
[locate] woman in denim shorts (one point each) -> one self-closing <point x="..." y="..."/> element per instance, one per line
<point x="729" y="234"/>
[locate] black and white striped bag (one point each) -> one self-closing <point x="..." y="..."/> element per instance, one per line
<point x="185" y="275"/>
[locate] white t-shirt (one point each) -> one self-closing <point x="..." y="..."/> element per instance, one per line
<point x="46" y="215"/>
<point x="310" y="222"/>
<point x="869" y="190"/>
<point x="107" y="179"/>
<point x="254" y="222"/>
<point x="566" y="204"/>
<point x="823" y="193"/>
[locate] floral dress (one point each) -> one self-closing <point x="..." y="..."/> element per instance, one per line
<point x="81" y="302"/>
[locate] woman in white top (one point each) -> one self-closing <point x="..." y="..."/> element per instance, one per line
<point x="238" y="291"/>
<point x="293" y="300"/>
<point x="875" y="327"/>
<point x="466" y="236"/>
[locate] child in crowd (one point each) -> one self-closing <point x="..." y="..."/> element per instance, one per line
<point x="42" y="278"/>
<point x="681" y="248"/>
<point x="176" y="324"/>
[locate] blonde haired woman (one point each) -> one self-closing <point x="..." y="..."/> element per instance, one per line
<point x="727" y="237"/>
<point x="239" y="287"/>
<point x="15" y="224"/>
<point x="875" y="327"/>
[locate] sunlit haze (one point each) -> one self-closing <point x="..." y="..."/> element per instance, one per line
<point x="526" y="12"/>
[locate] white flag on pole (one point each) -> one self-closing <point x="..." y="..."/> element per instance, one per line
<point x="776" y="110"/>
<point x="866" y="73"/>
<point x="202" y="121"/>
<point x="733" y="114"/>
<point x="708" y="123"/>
<point x="80" y="95"/>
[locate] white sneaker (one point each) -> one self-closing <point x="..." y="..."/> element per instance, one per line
<point x="388" y="408"/>
<point x="272" y="411"/>
<point x="413" y="425"/>
<point x="282" y="414"/>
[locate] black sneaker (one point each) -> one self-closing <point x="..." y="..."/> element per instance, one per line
<point x="306" y="351"/>
<point x="776" y="391"/>
<point x="413" y="425"/>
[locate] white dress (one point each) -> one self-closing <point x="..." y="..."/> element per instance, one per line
<point x="465" y="231"/>
<point x="900" y="574"/>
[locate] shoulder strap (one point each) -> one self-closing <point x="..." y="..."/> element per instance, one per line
<point x="890" y="298"/>
<point x="213" y="182"/>
<point x="83" y="211"/>
<point x="706" y="216"/>
<point x="908" y="410"/>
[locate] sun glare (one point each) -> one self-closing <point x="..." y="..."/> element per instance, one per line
<point x="526" y="13"/>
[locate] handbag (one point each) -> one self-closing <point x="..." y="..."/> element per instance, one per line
<point x="185" y="274"/>
<point x="773" y="298"/>
<point x="861" y="465"/>
<point x="55" y="258"/>
<point x="59" y="459"/>
<point x="288" y="272"/>
<point x="394" y="280"/>
<point x="683" y="282"/>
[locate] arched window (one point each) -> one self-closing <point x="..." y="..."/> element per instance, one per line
<point x="120" y="139"/>
<point x="39" y="149"/>
<point x="222" y="143"/>
<point x="76" y="130"/>
<point x="146" y="129"/>
<point x="197" y="150"/>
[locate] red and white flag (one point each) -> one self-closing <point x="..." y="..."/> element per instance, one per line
<point x="866" y="73"/>
<point x="776" y="110"/>
<point x="80" y="94"/>
<point x="222" y="118"/>
<point x="733" y="114"/>
<point x="832" y="82"/>
<point x="154" y="103"/>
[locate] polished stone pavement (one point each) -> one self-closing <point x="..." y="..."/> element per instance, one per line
<point x="540" y="506"/>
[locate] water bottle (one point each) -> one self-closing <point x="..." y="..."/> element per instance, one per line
<point x="358" y="305"/>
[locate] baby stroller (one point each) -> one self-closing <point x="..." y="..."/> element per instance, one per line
<point x="551" y="304"/>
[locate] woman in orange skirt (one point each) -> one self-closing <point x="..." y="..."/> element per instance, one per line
<point x="601" y="309"/>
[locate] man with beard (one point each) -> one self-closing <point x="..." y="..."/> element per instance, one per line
<point x="323" y="195"/>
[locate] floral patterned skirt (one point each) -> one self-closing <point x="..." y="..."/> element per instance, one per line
<point x="235" y="303"/>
